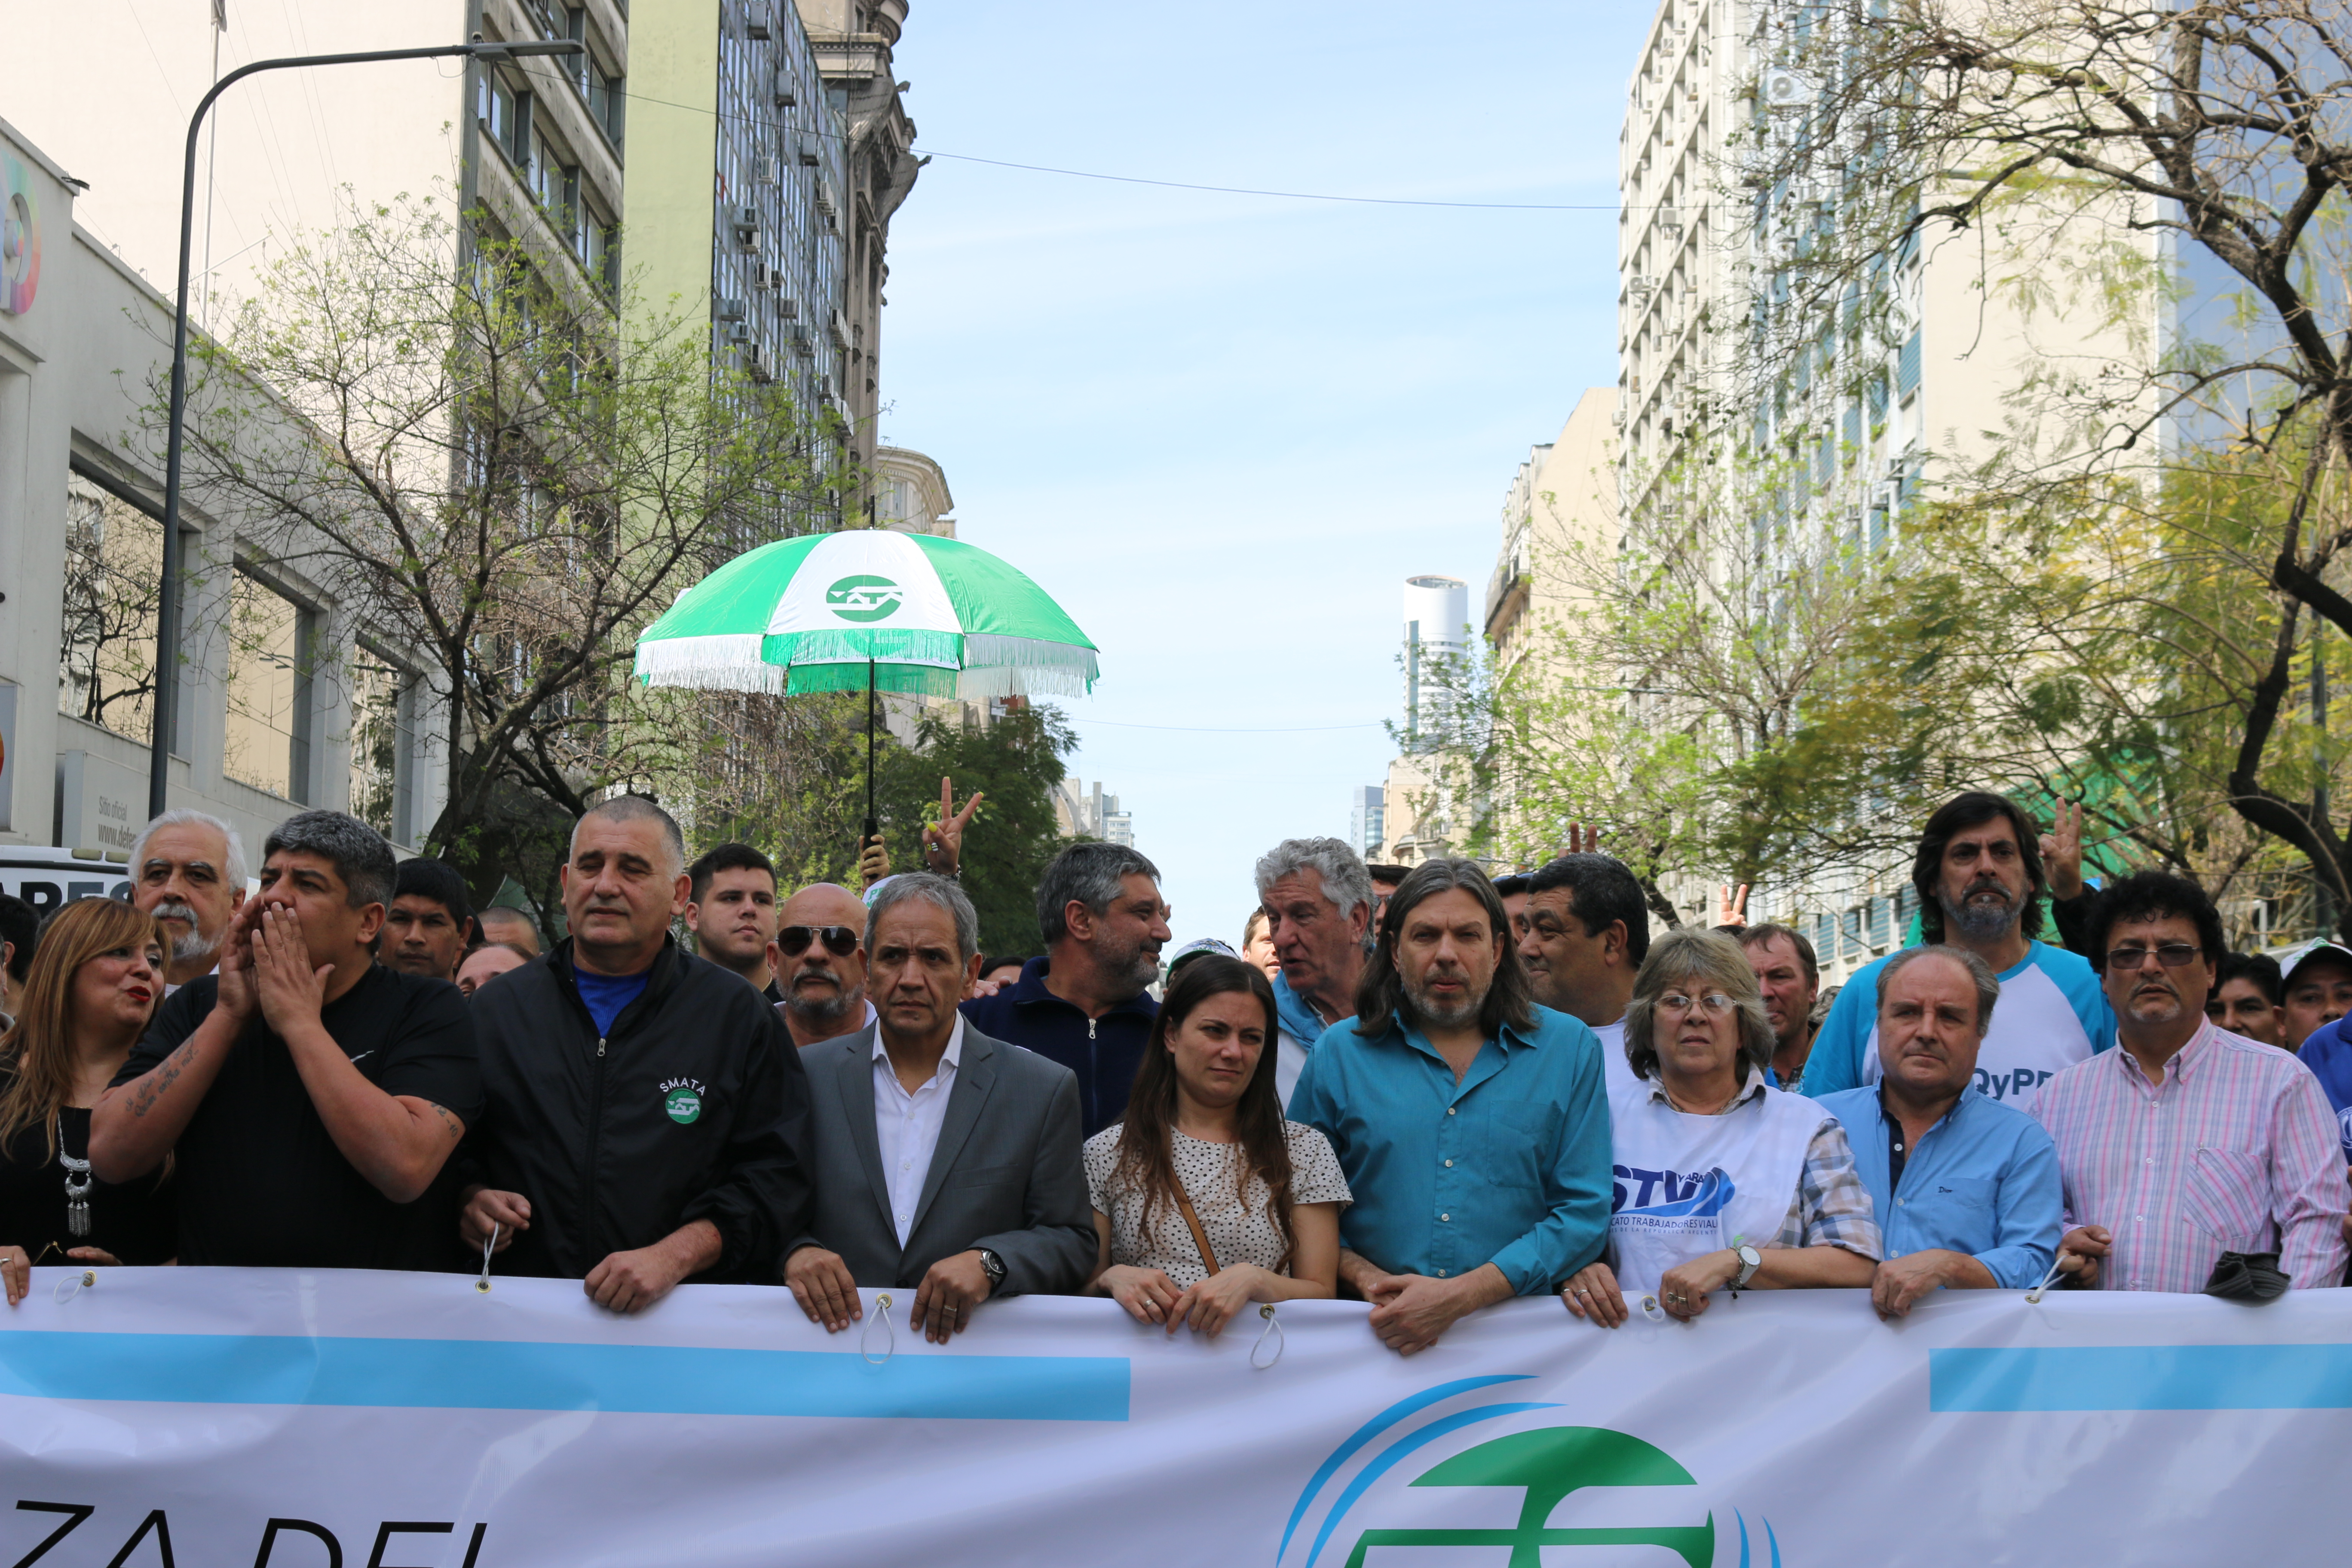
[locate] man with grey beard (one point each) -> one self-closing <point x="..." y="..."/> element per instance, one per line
<point x="818" y="958"/>
<point x="187" y="869"/>
<point x="1085" y="1004"/>
<point x="1471" y="1123"/>
<point x="1980" y="883"/>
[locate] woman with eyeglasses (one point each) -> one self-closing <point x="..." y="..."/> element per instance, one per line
<point x="1723" y="1181"/>
<point x="95" y="980"/>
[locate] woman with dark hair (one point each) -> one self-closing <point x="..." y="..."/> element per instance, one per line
<point x="94" y="983"/>
<point x="1205" y="1199"/>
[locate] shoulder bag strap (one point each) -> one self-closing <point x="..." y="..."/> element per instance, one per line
<point x="1193" y="1221"/>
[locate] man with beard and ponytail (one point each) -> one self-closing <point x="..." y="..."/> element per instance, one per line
<point x="1980" y="881"/>
<point x="1085" y="1004"/>
<point x="187" y="869"/>
<point x="818" y="958"/>
<point x="1471" y="1123"/>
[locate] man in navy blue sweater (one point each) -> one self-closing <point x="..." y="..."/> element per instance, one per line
<point x="1084" y="1005"/>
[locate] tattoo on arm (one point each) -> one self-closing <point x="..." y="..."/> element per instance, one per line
<point x="157" y="1081"/>
<point x="455" y="1128"/>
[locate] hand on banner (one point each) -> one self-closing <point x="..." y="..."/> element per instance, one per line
<point x="1208" y="1307"/>
<point x="2062" y="851"/>
<point x="1730" y="909"/>
<point x="485" y="1207"/>
<point x="15" y="1273"/>
<point x="1684" y="1291"/>
<point x="1591" y="1292"/>
<point x="873" y="862"/>
<point x="943" y="845"/>
<point x="1146" y="1293"/>
<point x="820" y="1282"/>
<point x="633" y="1281"/>
<point x="951" y="1287"/>
<point x="1901" y="1283"/>
<point x="1411" y="1312"/>
<point x="2080" y="1249"/>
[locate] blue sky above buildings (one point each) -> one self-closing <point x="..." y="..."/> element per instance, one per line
<point x="1223" y="430"/>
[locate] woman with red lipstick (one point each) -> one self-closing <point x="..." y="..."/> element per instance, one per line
<point x="95" y="979"/>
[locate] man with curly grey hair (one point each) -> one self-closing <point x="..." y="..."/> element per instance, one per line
<point x="1318" y="896"/>
<point x="311" y="1095"/>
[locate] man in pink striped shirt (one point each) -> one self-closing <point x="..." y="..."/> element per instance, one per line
<point x="2188" y="1141"/>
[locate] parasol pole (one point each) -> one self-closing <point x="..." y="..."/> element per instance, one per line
<point x="872" y="827"/>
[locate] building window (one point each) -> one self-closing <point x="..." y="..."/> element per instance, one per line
<point x="114" y="556"/>
<point x="604" y="99"/>
<point x="270" y="699"/>
<point x="384" y="700"/>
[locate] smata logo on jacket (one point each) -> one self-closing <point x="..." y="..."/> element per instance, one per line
<point x="682" y="1098"/>
<point x="1372" y="1508"/>
<point x="864" y="598"/>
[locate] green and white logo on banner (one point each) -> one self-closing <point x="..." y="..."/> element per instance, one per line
<point x="864" y="598"/>
<point x="1545" y="1463"/>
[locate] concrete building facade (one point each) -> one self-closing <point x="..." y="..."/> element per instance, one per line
<point x="285" y="701"/>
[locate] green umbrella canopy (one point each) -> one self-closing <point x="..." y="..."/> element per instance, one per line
<point x="830" y="612"/>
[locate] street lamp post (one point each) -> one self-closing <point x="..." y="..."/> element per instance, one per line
<point x="167" y="613"/>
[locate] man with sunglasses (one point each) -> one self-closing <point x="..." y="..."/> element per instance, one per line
<point x="819" y="960"/>
<point x="2187" y="1142"/>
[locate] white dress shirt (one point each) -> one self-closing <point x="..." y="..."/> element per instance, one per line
<point x="907" y="1126"/>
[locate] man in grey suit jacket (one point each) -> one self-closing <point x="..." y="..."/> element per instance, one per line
<point x="942" y="1158"/>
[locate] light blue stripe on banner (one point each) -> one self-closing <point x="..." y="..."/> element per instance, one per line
<point x="494" y="1374"/>
<point x="2142" y="1377"/>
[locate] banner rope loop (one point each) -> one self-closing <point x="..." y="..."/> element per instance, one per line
<point x="1651" y="1310"/>
<point x="80" y="1282"/>
<point x="1272" y="1331"/>
<point x="889" y="1336"/>
<point x="2033" y="1297"/>
<point x="483" y="1283"/>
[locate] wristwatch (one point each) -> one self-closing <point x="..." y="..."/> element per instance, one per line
<point x="992" y="1266"/>
<point x="1750" y="1260"/>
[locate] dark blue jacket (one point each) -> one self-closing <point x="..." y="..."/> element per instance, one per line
<point x="1104" y="1052"/>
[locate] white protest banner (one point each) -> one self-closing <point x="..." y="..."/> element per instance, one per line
<point x="289" y="1420"/>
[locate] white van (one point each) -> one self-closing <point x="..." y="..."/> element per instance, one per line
<point x="50" y="879"/>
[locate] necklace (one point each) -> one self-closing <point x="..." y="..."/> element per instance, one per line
<point x="77" y="1185"/>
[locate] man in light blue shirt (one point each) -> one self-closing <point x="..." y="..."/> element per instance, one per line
<point x="1471" y="1123"/>
<point x="1980" y="883"/>
<point x="1965" y="1189"/>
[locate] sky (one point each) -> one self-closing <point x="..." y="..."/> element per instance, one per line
<point x="1220" y="430"/>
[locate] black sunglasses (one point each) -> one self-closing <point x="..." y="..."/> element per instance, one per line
<point x="793" y="941"/>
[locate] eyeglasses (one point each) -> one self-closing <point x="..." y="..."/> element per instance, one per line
<point x="1715" y="1004"/>
<point x="2172" y="955"/>
<point x="839" y="940"/>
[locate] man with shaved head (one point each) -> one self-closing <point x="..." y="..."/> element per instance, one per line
<point x="818" y="958"/>
<point x="644" y="1120"/>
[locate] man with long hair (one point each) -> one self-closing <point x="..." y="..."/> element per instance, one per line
<point x="1981" y="886"/>
<point x="1470" y="1123"/>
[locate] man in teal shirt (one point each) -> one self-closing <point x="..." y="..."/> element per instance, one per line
<point x="1472" y="1124"/>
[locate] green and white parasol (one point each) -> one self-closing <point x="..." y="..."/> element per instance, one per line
<point x="869" y="610"/>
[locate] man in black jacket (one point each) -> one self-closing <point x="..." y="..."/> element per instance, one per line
<point x="645" y="1110"/>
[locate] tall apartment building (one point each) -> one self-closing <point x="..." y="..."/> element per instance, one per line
<point x="1436" y="629"/>
<point x="1848" y="427"/>
<point x="853" y="40"/>
<point x="1367" y="820"/>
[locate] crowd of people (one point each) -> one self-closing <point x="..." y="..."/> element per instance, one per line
<point x="1427" y="1088"/>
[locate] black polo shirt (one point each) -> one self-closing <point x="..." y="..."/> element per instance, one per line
<point x="261" y="1180"/>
